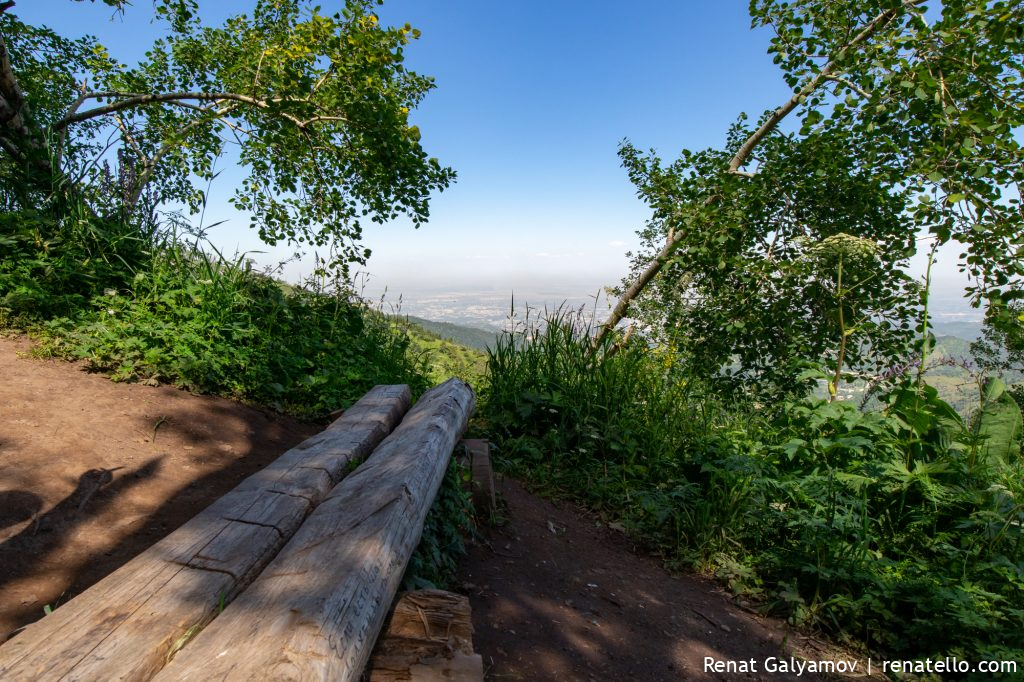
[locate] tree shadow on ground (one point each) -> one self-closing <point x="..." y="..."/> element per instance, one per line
<point x="199" y="424"/>
<point x="557" y="595"/>
<point x="24" y="552"/>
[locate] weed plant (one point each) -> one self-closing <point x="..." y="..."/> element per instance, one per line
<point x="449" y="521"/>
<point x="53" y="265"/>
<point x="899" y="529"/>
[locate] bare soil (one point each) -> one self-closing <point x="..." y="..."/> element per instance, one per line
<point x="93" y="472"/>
<point x="558" y="595"/>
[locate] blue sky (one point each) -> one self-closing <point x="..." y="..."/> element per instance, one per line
<point x="531" y="103"/>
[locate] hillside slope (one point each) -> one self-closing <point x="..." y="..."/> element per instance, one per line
<point x="441" y="357"/>
<point x="471" y="337"/>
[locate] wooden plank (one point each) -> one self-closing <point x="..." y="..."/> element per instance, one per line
<point x="125" y="626"/>
<point x="315" y="611"/>
<point x="429" y="636"/>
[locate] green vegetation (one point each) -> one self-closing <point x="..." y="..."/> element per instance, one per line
<point x="900" y="529"/>
<point x="440" y="356"/>
<point x="775" y="266"/>
<point x="165" y="310"/>
<point x="770" y="267"/>
<point x="314" y="110"/>
<point x="449" y="521"/>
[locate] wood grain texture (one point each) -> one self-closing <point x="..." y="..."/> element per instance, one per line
<point x="316" y="610"/>
<point x="429" y="636"/>
<point x="124" y="627"/>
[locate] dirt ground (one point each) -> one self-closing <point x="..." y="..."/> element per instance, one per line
<point x="93" y="472"/>
<point x="558" y="595"/>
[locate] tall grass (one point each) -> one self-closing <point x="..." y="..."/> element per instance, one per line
<point x="611" y="429"/>
<point x="154" y="306"/>
<point x="52" y="265"/>
<point x="879" y="527"/>
<point x="190" y="317"/>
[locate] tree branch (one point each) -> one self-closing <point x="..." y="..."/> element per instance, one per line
<point x="740" y="158"/>
<point x="130" y="138"/>
<point x="137" y="100"/>
<point x="850" y="84"/>
<point x="58" y="154"/>
<point x="149" y="165"/>
<point x="638" y="285"/>
<point x="743" y="153"/>
<point x="323" y="79"/>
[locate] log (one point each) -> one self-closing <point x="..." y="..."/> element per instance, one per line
<point x="429" y="637"/>
<point x="316" y="610"/>
<point x="481" y="477"/>
<point x="127" y="625"/>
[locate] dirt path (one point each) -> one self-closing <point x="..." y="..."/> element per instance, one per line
<point x="93" y="472"/>
<point x="557" y="595"/>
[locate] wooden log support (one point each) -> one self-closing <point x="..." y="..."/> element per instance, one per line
<point x="429" y="637"/>
<point x="128" y="625"/>
<point x="316" y="610"/>
<point x="481" y="478"/>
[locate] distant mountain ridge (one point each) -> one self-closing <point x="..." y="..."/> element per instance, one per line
<point x="968" y="330"/>
<point x="471" y="337"/>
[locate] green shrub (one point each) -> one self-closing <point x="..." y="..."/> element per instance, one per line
<point x="52" y="266"/>
<point x="890" y="528"/>
<point x="449" y="521"/>
<point x="215" y="326"/>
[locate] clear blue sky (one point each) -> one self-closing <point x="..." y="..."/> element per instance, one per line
<point x="531" y="103"/>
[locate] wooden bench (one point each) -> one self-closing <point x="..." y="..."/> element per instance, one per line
<point x="288" y="576"/>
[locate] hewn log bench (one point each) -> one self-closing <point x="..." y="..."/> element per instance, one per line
<point x="296" y="567"/>
<point x="315" y="611"/>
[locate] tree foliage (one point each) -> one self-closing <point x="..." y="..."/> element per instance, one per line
<point x="781" y="266"/>
<point x="314" y="108"/>
<point x="909" y="122"/>
<point x="1000" y="350"/>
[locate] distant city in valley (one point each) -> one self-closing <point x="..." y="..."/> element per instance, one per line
<point x="492" y="309"/>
